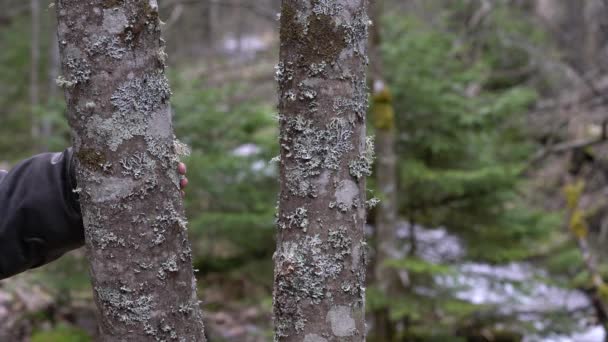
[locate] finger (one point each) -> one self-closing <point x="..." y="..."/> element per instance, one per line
<point x="181" y="168"/>
<point x="183" y="194"/>
<point x="183" y="183"/>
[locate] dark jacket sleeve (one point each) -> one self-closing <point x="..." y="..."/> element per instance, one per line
<point x="40" y="216"/>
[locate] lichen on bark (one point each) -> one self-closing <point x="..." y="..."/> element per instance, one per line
<point x="320" y="258"/>
<point x="126" y="159"/>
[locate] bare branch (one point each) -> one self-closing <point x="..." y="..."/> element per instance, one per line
<point x="483" y="11"/>
<point x="570" y="145"/>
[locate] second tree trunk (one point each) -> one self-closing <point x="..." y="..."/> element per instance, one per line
<point x="320" y="258"/>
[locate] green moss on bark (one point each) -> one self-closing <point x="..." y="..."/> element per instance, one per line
<point x="324" y="40"/>
<point x="111" y="3"/>
<point x="91" y="159"/>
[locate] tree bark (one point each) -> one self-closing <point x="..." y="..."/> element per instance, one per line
<point x="207" y="13"/>
<point x="577" y="224"/>
<point x="113" y="63"/>
<point x="54" y="69"/>
<point x="34" y="68"/>
<point x="383" y="118"/>
<point x="320" y="259"/>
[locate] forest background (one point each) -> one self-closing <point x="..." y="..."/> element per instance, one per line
<point x="498" y="109"/>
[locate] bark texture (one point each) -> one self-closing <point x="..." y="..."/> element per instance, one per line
<point x="383" y="118"/>
<point x="34" y="67"/>
<point x="113" y="65"/>
<point x="319" y="284"/>
<point x="577" y="224"/>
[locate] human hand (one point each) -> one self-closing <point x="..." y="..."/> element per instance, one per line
<point x="183" y="183"/>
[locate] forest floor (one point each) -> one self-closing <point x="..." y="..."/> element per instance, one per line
<point x="28" y="311"/>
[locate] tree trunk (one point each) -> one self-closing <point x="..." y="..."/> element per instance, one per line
<point x="383" y="118"/>
<point x="320" y="259"/>
<point x="54" y="67"/>
<point x="577" y="224"/>
<point x="34" y="68"/>
<point x="113" y="63"/>
<point x="595" y="36"/>
<point x="237" y="12"/>
<point x="207" y="12"/>
<point x="565" y="19"/>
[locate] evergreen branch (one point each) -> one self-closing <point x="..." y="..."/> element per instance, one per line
<point x="449" y="200"/>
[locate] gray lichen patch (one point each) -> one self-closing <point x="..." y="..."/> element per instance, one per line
<point x="284" y="72"/>
<point x="312" y="268"/>
<point x="162" y="57"/>
<point x="106" y="46"/>
<point x="308" y="95"/>
<point x="103" y="238"/>
<point x="181" y="149"/>
<point x="98" y="235"/>
<point x="78" y="71"/>
<point x="349" y="288"/>
<point x="357" y="33"/>
<point x="372" y="203"/>
<point x="313" y="150"/>
<point x="316" y="69"/>
<point x="137" y="165"/>
<point x="175" y="177"/>
<point x="164" y="222"/>
<point x="327" y="7"/>
<point x="346" y="107"/>
<point x="138" y="113"/>
<point x="116" y="129"/>
<point x="164" y="151"/>
<point x="303" y="270"/>
<point x="362" y="166"/>
<point x="152" y="6"/>
<point x="62" y="82"/>
<point x="358" y="266"/>
<point x="169" y="266"/>
<point x="296" y="320"/>
<point x="296" y="219"/>
<point x="142" y="95"/>
<point x="341" y="321"/>
<point x="127" y="307"/>
<point x="340" y="242"/>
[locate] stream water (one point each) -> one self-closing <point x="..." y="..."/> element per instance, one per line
<point x="514" y="289"/>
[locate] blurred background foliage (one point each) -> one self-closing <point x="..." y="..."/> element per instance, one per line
<point x="499" y="104"/>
